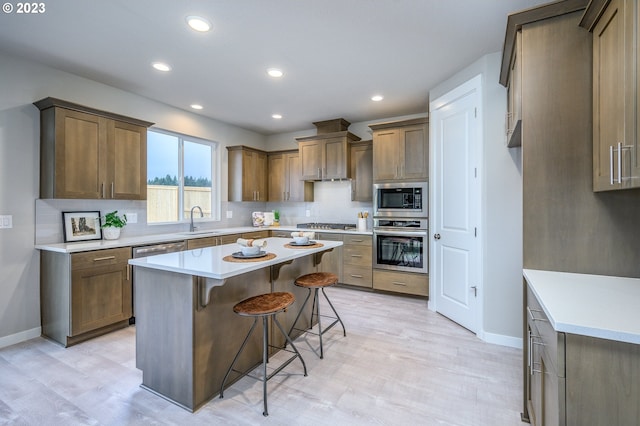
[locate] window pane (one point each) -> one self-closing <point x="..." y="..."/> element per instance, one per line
<point x="197" y="178"/>
<point x="162" y="177"/>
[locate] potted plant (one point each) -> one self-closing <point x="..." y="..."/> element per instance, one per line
<point x="112" y="224"/>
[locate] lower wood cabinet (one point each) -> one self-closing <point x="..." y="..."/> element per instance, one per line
<point x="571" y="379"/>
<point x="331" y="261"/>
<point x="401" y="282"/>
<point x="356" y="260"/>
<point x="85" y="294"/>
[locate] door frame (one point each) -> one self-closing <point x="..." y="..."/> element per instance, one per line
<point x="472" y="85"/>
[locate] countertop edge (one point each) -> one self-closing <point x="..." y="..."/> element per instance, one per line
<point x="565" y="317"/>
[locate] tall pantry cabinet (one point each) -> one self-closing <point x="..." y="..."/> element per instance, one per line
<point x="566" y="225"/>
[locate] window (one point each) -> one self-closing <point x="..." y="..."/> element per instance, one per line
<point x="179" y="177"/>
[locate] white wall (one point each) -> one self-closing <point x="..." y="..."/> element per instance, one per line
<point x="501" y="208"/>
<point x="22" y="83"/>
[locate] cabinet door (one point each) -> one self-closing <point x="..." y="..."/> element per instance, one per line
<point x="261" y="176"/>
<point x="615" y="162"/>
<point x="127" y="160"/>
<point x="80" y="154"/>
<point x="311" y="157"/>
<point x="248" y="176"/>
<point x="385" y="154"/>
<point x="362" y="172"/>
<point x="297" y="189"/>
<point x="336" y="157"/>
<point x="277" y="177"/>
<point x="414" y="154"/>
<point x="100" y="294"/>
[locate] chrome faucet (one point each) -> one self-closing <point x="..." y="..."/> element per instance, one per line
<point x="191" y="227"/>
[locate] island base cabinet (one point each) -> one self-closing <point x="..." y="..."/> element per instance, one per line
<point x="184" y="348"/>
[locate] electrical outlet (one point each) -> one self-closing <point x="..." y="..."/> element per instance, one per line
<point x="6" y="221"/>
<point x="308" y="213"/>
<point x="229" y="214"/>
<point x="132" y="217"/>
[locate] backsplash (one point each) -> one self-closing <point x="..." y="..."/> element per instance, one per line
<point x="332" y="204"/>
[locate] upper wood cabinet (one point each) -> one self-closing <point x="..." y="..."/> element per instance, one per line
<point x="326" y="156"/>
<point x="362" y="171"/>
<point x="248" y="172"/>
<point x="616" y="154"/>
<point x="90" y="154"/>
<point x="401" y="150"/>
<point x="285" y="178"/>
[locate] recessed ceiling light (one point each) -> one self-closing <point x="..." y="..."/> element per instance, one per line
<point x="277" y="116"/>
<point x="198" y="23"/>
<point x="377" y="98"/>
<point x="161" y="66"/>
<point x="274" y="72"/>
<point x="196" y="106"/>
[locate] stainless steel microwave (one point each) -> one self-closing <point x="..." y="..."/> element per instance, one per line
<point x="401" y="199"/>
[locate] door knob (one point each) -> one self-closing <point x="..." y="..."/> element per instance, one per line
<point x="436" y="236"/>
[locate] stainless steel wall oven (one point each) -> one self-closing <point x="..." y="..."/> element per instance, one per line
<point x="401" y="244"/>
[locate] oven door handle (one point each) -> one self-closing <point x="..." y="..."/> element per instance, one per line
<point x="421" y="233"/>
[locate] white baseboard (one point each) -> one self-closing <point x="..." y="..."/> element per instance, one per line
<point x="501" y="339"/>
<point x="12" y="339"/>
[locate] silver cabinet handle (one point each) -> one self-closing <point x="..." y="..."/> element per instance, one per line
<point x="619" y="162"/>
<point x="97" y="259"/>
<point x="356" y="255"/>
<point x="356" y="276"/>
<point x="319" y="173"/>
<point x="112" y="190"/>
<point x="102" y="189"/>
<point x="399" y="283"/>
<point x="533" y="318"/>
<point x="611" y="164"/>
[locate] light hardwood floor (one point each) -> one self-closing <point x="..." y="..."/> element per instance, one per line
<point x="400" y="364"/>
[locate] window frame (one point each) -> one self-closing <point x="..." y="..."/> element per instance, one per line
<point x="215" y="176"/>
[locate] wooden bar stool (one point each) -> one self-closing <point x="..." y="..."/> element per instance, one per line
<point x="314" y="282"/>
<point x="264" y="306"/>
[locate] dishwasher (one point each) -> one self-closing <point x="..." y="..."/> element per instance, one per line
<point x="152" y="250"/>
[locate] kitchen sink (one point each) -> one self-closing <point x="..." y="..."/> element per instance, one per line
<point x="200" y="232"/>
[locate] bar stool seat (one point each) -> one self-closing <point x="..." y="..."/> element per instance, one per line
<point x="264" y="306"/>
<point x="314" y="282"/>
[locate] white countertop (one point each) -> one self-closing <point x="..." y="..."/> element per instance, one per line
<point x="590" y="305"/>
<point x="141" y="240"/>
<point x="207" y="262"/>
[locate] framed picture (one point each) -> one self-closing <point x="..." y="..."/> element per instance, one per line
<point x="81" y="226"/>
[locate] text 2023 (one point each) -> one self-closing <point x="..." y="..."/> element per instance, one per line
<point x="30" y="8"/>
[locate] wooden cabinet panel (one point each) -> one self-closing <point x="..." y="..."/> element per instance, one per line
<point x="385" y="155"/>
<point x="357" y="260"/>
<point x="616" y="152"/>
<point x="326" y="156"/>
<point x="401" y="282"/>
<point x="362" y="171"/>
<point x="248" y="174"/>
<point x="101" y="291"/>
<point x="361" y="276"/>
<point x="196" y="243"/>
<point x="401" y="150"/>
<point x="285" y="178"/>
<point x="91" y="154"/>
<point x="128" y="154"/>
<point x="331" y="261"/>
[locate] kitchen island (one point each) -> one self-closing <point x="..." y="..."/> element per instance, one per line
<point x="186" y="330"/>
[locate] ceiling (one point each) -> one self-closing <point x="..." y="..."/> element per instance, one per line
<point x="335" y="54"/>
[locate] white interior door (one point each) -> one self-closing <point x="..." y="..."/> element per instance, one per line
<point x="455" y="205"/>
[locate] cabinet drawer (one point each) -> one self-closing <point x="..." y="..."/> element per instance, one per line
<point x="401" y="282"/>
<point x="256" y="234"/>
<point x="228" y="239"/>
<point x="281" y="234"/>
<point x="91" y="259"/>
<point x="201" y="242"/>
<point x="552" y="342"/>
<point x="328" y="236"/>
<point x="358" y="240"/>
<point x="357" y="275"/>
<point x="357" y="255"/>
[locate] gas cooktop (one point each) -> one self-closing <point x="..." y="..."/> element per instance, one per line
<point x="317" y="225"/>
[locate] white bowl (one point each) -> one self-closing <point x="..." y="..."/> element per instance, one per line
<point x="301" y="240"/>
<point x="247" y="251"/>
